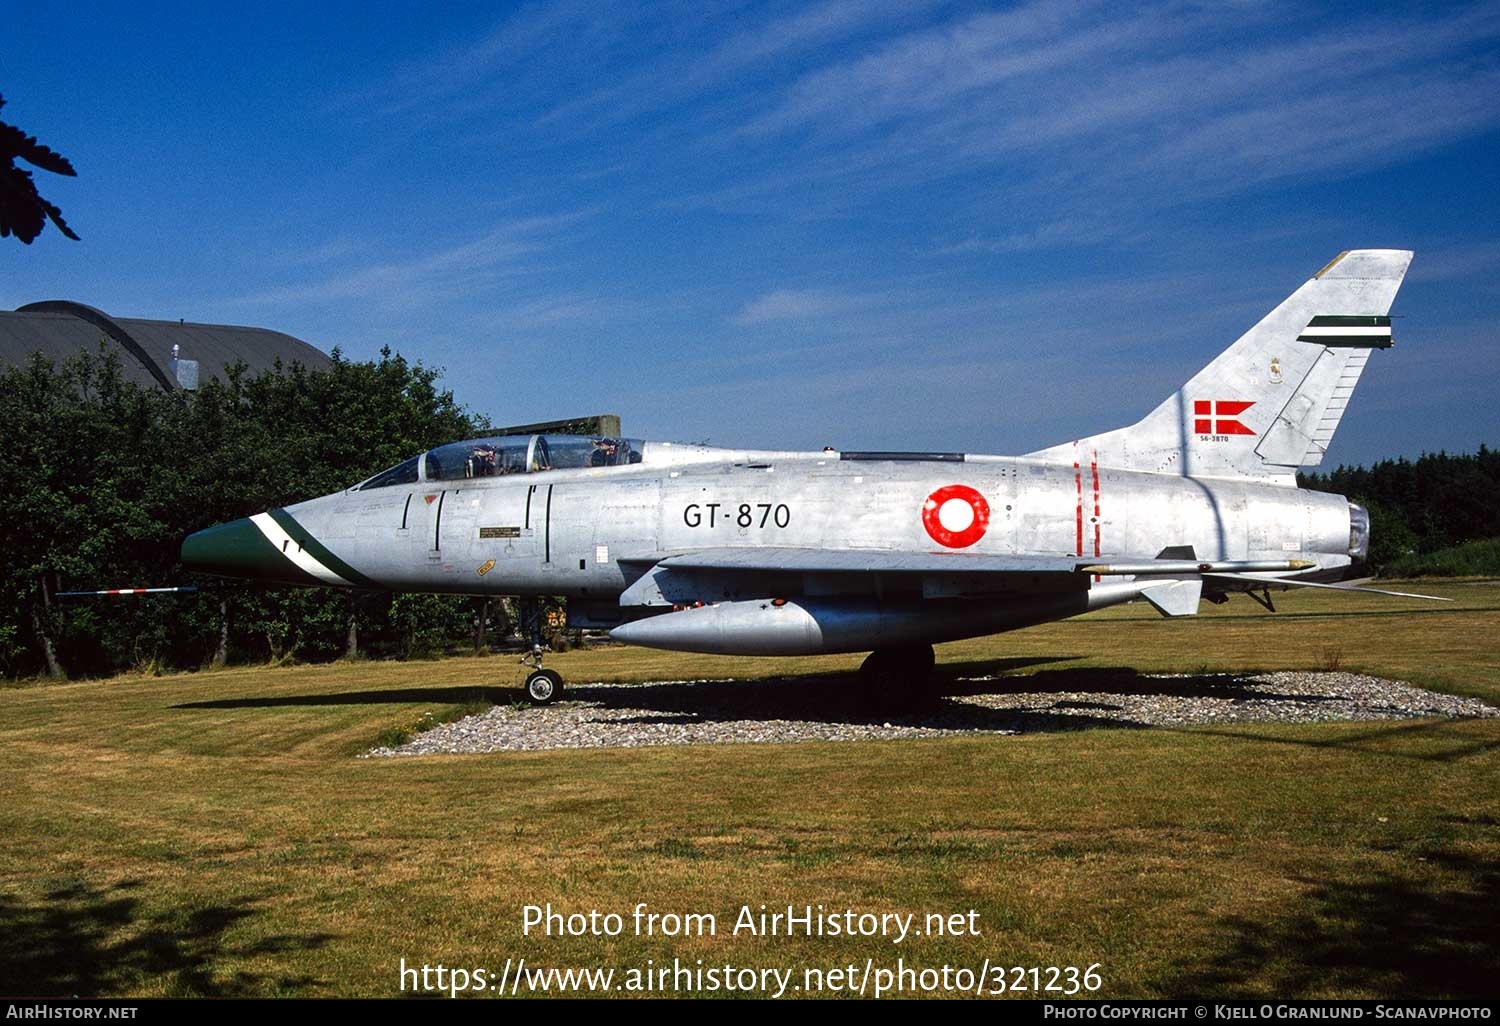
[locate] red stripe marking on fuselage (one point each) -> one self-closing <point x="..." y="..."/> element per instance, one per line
<point x="1094" y="469"/>
<point x="1078" y="482"/>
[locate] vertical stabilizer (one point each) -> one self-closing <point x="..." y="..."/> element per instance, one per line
<point x="1271" y="402"/>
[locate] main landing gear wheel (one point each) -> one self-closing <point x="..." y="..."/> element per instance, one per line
<point x="896" y="679"/>
<point x="544" y="687"/>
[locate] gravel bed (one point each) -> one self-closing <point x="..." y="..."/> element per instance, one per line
<point x="831" y="709"/>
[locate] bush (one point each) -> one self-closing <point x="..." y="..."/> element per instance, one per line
<point x="1471" y="559"/>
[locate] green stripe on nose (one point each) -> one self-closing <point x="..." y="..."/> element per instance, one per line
<point x="239" y="549"/>
<point x="322" y="553"/>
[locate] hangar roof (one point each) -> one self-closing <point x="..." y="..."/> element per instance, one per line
<point x="60" y="328"/>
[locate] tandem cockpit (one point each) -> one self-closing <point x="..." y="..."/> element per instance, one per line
<point x="509" y="454"/>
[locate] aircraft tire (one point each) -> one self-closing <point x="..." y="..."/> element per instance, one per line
<point x="544" y="687"/>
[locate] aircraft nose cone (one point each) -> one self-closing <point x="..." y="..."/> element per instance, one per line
<point x="235" y="549"/>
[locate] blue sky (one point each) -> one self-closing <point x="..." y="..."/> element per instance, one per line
<point x="866" y="224"/>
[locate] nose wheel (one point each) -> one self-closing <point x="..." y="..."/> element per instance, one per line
<point x="543" y="687"/>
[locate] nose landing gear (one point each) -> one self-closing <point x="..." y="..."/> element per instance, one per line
<point x="542" y="686"/>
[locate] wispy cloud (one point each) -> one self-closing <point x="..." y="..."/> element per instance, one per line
<point x="461" y="69"/>
<point x="1170" y="103"/>
<point x="1042" y="236"/>
<point x="692" y="73"/>
<point x="801" y="305"/>
<point x="560" y="310"/>
<point x="927" y="70"/>
<point x="426" y="275"/>
<point x="1073" y="113"/>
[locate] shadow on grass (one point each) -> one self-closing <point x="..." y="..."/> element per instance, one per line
<point x="1375" y="737"/>
<point x="461" y="695"/>
<point x="387" y="696"/>
<point x="1117" y="681"/>
<point x="87" y="941"/>
<point x="1383" y="935"/>
<point x="1047" y="701"/>
<point x="1351" y="614"/>
<point x="1042" y="701"/>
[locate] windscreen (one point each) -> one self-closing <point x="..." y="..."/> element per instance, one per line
<point x="402" y="473"/>
<point x="528" y="454"/>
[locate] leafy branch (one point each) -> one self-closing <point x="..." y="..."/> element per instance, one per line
<point x="23" y="211"/>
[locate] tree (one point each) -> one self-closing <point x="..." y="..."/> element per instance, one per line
<point x="103" y="479"/>
<point x="23" y="211"/>
<point x="1424" y="505"/>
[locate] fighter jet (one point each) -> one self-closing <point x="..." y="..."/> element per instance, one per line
<point x="751" y="552"/>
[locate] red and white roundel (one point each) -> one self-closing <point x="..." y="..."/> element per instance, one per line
<point x="956" y="516"/>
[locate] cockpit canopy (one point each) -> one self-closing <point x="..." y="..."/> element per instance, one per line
<point x="509" y="454"/>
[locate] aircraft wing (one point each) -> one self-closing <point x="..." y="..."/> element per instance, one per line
<point x="839" y="561"/>
<point x="794" y="560"/>
<point x="699" y="575"/>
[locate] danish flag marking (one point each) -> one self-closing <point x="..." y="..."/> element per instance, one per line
<point x="1217" y="417"/>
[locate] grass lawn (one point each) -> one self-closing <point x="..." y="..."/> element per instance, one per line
<point x="213" y="833"/>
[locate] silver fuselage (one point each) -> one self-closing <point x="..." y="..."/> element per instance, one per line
<point x="574" y="532"/>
